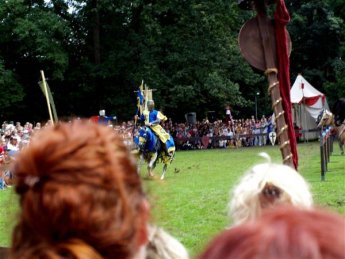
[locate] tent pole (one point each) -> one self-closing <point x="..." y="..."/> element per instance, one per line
<point x="304" y="112"/>
<point x="305" y="119"/>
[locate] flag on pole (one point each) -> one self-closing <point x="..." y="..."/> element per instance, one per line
<point x="140" y="98"/>
<point x="50" y="98"/>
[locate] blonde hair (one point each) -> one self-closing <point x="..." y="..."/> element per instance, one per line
<point x="244" y="202"/>
<point x="163" y="246"/>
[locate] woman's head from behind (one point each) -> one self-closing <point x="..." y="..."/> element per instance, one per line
<point x="265" y="186"/>
<point x="80" y="195"/>
<point x="283" y="232"/>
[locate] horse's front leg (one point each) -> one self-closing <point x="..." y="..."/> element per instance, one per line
<point x="164" y="171"/>
<point x="140" y="162"/>
<point x="152" y="164"/>
<point x="341" y="145"/>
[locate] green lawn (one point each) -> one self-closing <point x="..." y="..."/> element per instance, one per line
<point x="191" y="202"/>
<point x="8" y="210"/>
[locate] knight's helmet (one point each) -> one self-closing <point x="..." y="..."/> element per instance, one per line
<point x="102" y="113"/>
<point x="150" y="105"/>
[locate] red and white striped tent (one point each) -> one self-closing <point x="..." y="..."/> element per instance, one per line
<point x="307" y="103"/>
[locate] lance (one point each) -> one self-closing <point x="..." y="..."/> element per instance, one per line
<point x="47" y="96"/>
<point x="257" y="42"/>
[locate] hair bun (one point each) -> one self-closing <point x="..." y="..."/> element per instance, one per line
<point x="76" y="248"/>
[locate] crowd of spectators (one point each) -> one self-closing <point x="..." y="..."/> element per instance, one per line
<point x="204" y="134"/>
<point x="14" y="137"/>
<point x="226" y="133"/>
<point x="221" y="133"/>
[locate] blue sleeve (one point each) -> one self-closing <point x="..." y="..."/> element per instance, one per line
<point x="136" y="140"/>
<point x="153" y="117"/>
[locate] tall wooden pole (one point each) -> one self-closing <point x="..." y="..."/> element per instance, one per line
<point x="47" y="97"/>
<point x="258" y="45"/>
<point x="268" y="44"/>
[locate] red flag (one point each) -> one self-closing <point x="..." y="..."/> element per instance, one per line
<point x="282" y="17"/>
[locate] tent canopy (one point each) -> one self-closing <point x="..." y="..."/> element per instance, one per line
<point x="303" y="92"/>
<point x="307" y="103"/>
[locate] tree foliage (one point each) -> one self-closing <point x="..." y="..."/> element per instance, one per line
<point x="11" y="90"/>
<point x="95" y="54"/>
<point x="318" y="42"/>
<point x="33" y="39"/>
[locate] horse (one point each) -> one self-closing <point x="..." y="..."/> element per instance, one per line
<point x="338" y="110"/>
<point x="152" y="149"/>
<point x="341" y="137"/>
<point x="326" y="118"/>
<point x="339" y="120"/>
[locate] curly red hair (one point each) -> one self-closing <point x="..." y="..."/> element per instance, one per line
<point x="80" y="195"/>
<point x="284" y="232"/>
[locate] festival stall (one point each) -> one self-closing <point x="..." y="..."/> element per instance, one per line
<point x="307" y="104"/>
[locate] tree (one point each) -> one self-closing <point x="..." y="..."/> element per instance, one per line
<point x="336" y="89"/>
<point x="95" y="54"/>
<point x="11" y="91"/>
<point x="318" y="39"/>
<point x="189" y="53"/>
<point x="34" y="39"/>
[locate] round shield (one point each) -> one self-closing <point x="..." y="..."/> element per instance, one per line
<point x="251" y="43"/>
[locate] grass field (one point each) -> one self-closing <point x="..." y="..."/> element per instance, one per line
<point x="191" y="202"/>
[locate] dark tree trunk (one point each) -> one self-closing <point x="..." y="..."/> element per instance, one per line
<point x="96" y="32"/>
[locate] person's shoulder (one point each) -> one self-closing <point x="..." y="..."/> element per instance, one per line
<point x="163" y="245"/>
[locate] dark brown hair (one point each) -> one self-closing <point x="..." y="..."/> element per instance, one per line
<point x="80" y="195"/>
<point x="285" y="233"/>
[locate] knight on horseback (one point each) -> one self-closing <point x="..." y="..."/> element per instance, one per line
<point x="152" y="118"/>
<point x="336" y="119"/>
<point x="153" y="142"/>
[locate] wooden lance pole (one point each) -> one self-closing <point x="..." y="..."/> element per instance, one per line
<point x="257" y="43"/>
<point x="47" y="97"/>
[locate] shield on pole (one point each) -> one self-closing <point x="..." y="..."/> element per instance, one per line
<point x="272" y="136"/>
